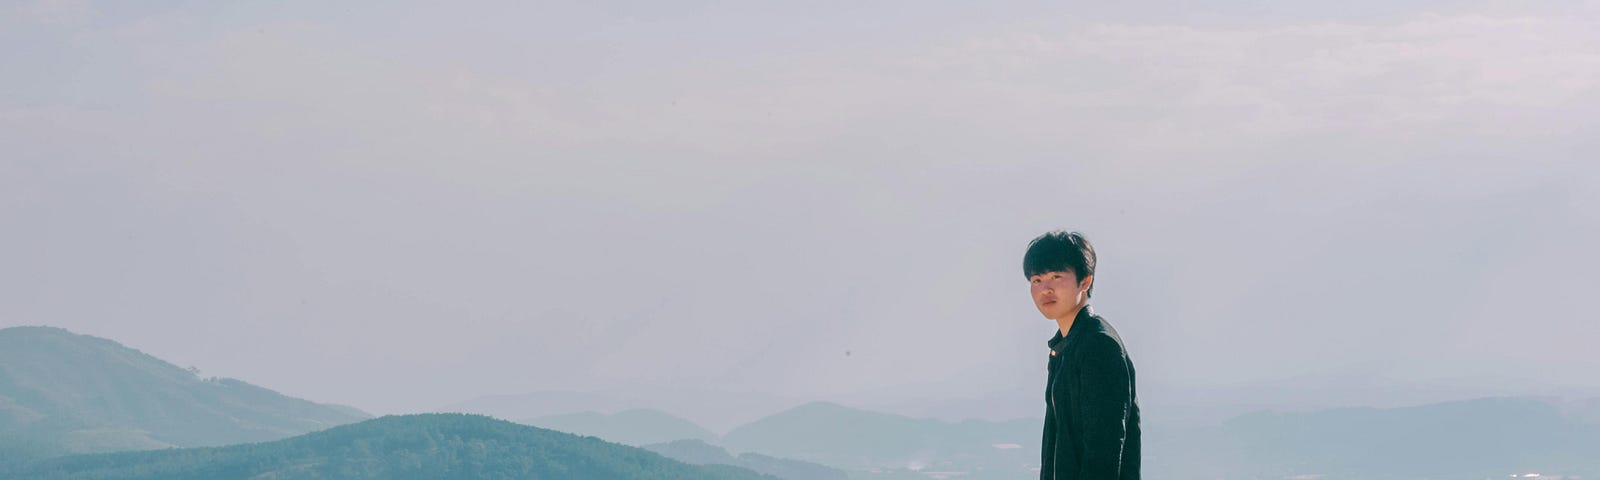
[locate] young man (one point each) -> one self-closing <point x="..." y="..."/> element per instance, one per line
<point x="1091" y="415"/>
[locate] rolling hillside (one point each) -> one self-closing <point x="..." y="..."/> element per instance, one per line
<point x="64" y="393"/>
<point x="426" y="446"/>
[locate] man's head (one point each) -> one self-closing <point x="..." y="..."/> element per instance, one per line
<point x="1059" y="266"/>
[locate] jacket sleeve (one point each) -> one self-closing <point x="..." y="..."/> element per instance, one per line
<point x="1105" y="398"/>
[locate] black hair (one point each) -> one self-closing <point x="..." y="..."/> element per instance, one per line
<point x="1060" y="251"/>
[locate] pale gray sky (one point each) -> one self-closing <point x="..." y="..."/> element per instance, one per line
<point x="401" y="205"/>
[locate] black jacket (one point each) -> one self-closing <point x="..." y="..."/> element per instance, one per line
<point x="1091" y="419"/>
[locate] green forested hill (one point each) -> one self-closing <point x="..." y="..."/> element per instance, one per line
<point x="63" y="393"/>
<point x="427" y="446"/>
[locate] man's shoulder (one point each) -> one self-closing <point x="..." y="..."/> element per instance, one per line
<point x="1101" y="338"/>
<point x="1099" y="326"/>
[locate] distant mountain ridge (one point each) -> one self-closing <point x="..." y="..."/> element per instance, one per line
<point x="714" y="410"/>
<point x="1465" y="439"/>
<point x="823" y="433"/>
<point x="635" y="427"/>
<point x="696" y="452"/>
<point x="855" y="439"/>
<point x="822" y="440"/>
<point x="1451" y="439"/>
<point x="63" y="393"/>
<point x="423" y="446"/>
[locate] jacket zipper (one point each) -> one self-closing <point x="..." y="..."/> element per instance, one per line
<point x="1055" y="458"/>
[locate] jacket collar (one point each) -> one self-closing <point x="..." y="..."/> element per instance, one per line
<point x="1058" y="343"/>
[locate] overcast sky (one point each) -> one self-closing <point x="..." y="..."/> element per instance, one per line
<point x="400" y="205"/>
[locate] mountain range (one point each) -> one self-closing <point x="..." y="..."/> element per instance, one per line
<point x="64" y="395"/>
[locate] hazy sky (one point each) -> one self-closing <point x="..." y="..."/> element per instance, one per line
<point x="400" y="205"/>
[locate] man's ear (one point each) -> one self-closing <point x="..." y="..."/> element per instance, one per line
<point x="1086" y="282"/>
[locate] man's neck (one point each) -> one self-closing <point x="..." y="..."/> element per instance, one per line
<point x="1065" y="323"/>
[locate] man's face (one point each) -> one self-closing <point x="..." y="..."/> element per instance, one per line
<point x="1058" y="294"/>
